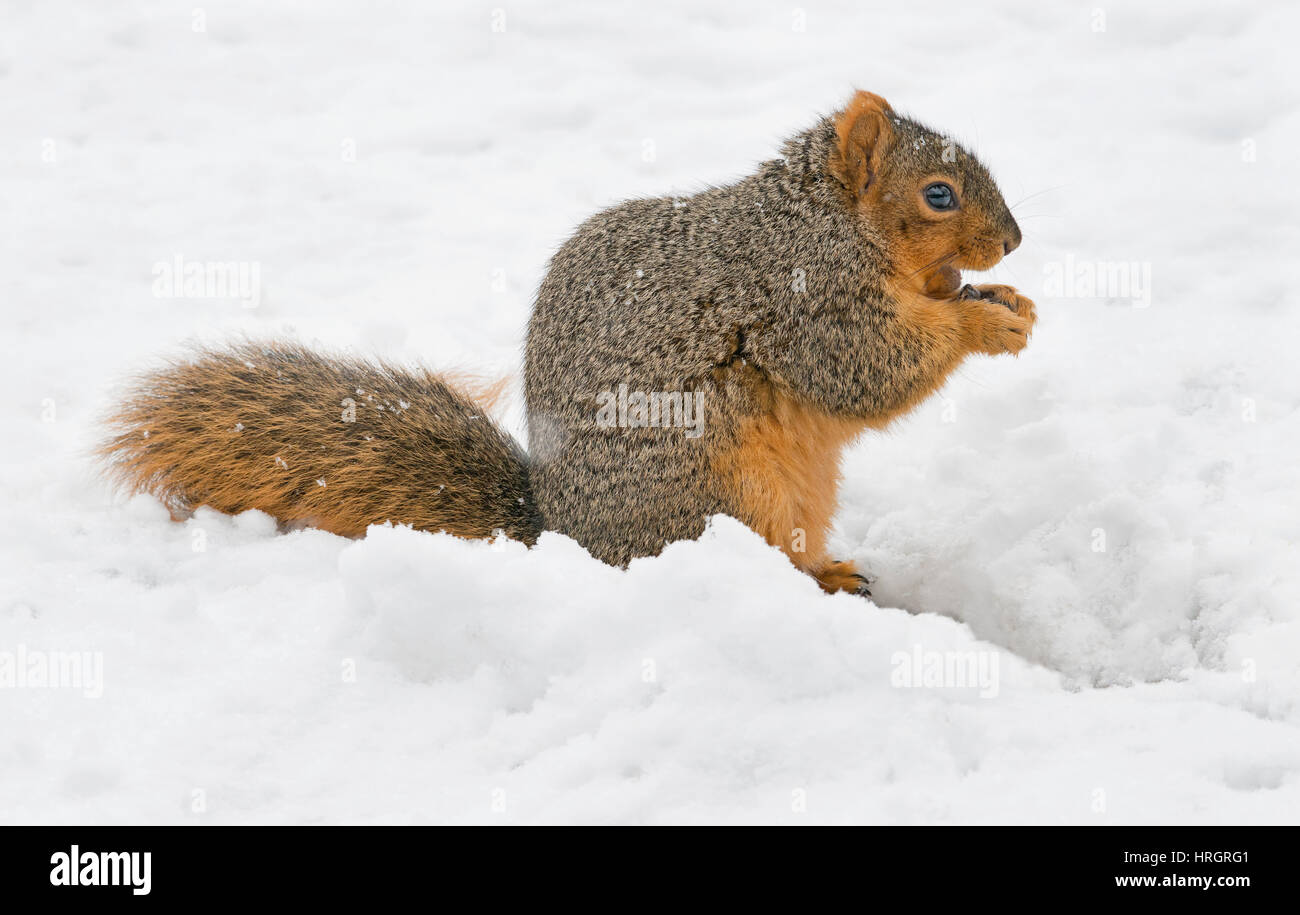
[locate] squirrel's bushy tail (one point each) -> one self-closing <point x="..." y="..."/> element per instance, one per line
<point x="326" y="442"/>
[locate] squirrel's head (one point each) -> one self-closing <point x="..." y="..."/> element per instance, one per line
<point x="936" y="203"/>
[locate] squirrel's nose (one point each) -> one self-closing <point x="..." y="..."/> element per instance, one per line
<point x="1012" y="241"/>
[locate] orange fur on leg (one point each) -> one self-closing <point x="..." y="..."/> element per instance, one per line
<point x="782" y="473"/>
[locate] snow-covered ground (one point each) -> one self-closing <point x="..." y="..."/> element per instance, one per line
<point x="1105" y="528"/>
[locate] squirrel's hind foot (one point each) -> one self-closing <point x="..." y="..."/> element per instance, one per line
<point x="843" y="576"/>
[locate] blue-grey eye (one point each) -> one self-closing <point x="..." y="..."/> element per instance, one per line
<point x="940" y="196"/>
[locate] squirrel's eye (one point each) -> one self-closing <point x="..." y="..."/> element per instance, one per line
<point x="940" y="196"/>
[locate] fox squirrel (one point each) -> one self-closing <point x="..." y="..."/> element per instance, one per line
<point x="686" y="356"/>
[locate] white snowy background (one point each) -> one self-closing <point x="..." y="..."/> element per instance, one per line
<point x="1113" y="515"/>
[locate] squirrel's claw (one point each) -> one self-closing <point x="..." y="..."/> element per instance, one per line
<point x="841" y="576"/>
<point x="971" y="293"/>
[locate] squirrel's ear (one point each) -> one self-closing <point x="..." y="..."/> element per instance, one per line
<point x="864" y="134"/>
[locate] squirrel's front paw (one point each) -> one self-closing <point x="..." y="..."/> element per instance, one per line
<point x="1001" y="319"/>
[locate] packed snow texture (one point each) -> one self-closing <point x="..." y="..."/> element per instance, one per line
<point x="1105" y="527"/>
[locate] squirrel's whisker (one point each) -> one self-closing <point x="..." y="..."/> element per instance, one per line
<point x="1047" y="190"/>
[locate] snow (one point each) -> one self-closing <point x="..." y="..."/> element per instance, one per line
<point x="1106" y="526"/>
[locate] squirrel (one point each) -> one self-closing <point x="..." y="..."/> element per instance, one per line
<point x="685" y="356"/>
